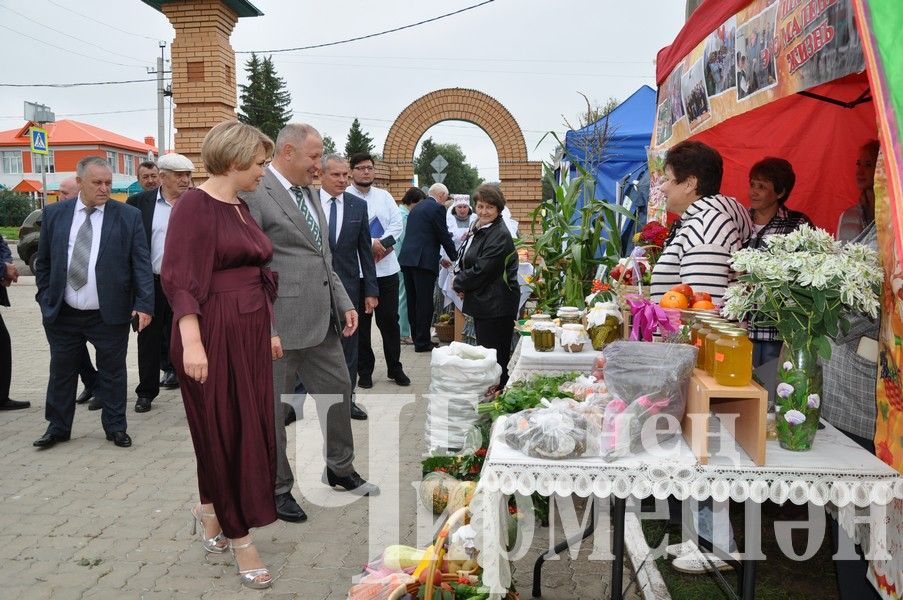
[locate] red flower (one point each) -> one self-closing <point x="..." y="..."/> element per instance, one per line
<point x="512" y="510"/>
<point x="481" y="452"/>
<point x="475" y="468"/>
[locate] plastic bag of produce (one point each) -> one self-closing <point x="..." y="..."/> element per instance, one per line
<point x="459" y="376"/>
<point x="555" y="430"/>
<point x="644" y="379"/>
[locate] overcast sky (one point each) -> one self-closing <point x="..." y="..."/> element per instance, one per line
<point x="533" y="56"/>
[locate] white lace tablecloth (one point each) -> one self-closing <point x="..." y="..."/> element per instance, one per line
<point x="527" y="361"/>
<point x="836" y="471"/>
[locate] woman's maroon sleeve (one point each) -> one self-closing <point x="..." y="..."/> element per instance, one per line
<point x="189" y="253"/>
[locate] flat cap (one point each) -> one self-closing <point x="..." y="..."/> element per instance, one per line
<point x="175" y="162"/>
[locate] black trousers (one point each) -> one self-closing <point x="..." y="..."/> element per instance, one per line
<point x="151" y="342"/>
<point x="86" y="370"/>
<point x="419" y="284"/>
<point x="6" y="361"/>
<point x="67" y="335"/>
<point x="496" y="333"/>
<point x="387" y="321"/>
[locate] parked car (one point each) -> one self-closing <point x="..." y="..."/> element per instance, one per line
<point x="29" y="233"/>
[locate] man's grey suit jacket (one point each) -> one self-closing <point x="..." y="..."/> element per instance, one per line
<point x="309" y="289"/>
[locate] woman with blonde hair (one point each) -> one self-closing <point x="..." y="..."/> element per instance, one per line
<point x="221" y="293"/>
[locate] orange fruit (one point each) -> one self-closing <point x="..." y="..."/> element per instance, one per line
<point x="673" y="299"/>
<point x="703" y="305"/>
<point x="700" y="296"/>
<point x="684" y="289"/>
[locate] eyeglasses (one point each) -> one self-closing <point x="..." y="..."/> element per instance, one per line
<point x="362" y="168"/>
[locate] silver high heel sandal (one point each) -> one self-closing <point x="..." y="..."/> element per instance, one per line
<point x="250" y="577"/>
<point x="213" y="545"/>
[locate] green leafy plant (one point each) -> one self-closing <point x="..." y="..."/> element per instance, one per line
<point x="526" y="394"/>
<point x="571" y="241"/>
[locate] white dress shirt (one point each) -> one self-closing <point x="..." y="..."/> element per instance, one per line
<point x="85" y="298"/>
<point x="381" y="205"/>
<point x="325" y="202"/>
<point x="159" y="227"/>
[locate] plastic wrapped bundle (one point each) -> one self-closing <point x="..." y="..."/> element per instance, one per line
<point x="556" y="430"/>
<point x="459" y="376"/>
<point x="644" y="379"/>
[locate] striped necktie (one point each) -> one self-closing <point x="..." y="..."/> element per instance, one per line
<point x="309" y="218"/>
<point x="81" y="253"/>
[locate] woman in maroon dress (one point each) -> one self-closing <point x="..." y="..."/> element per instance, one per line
<point x="221" y="294"/>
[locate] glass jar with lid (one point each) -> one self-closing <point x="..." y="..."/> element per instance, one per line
<point x="543" y="336"/>
<point x="733" y="358"/>
<point x="570" y="314"/>
<point x="716" y="330"/>
<point x="573" y="337"/>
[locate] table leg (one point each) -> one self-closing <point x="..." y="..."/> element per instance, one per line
<point x="560" y="547"/>
<point x="748" y="589"/>
<point x="617" y="565"/>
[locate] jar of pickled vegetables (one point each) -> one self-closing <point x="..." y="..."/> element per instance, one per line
<point x="570" y="315"/>
<point x="543" y="336"/>
<point x="733" y="358"/>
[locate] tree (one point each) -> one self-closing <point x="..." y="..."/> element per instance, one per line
<point x="358" y="140"/>
<point x="328" y="146"/>
<point x="265" y="99"/>
<point x="460" y="177"/>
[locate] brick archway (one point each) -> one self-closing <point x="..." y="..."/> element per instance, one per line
<point x="521" y="179"/>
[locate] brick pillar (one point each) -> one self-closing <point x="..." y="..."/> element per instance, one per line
<point x="203" y="71"/>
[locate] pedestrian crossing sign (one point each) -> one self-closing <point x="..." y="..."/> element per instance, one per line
<point x="38" y="140"/>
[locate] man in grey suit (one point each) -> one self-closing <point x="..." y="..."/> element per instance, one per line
<point x="313" y="310"/>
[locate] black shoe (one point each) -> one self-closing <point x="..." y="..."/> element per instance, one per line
<point x="169" y="380"/>
<point x="13" y="405"/>
<point x="288" y="412"/>
<point x="358" y="413"/>
<point x="94" y="404"/>
<point x="86" y="395"/>
<point x="426" y="348"/>
<point x="400" y="378"/>
<point x="120" y="438"/>
<point x="353" y="483"/>
<point x="288" y="510"/>
<point x="143" y="405"/>
<point x="49" y="439"/>
<point x="365" y="381"/>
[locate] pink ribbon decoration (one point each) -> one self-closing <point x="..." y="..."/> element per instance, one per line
<point x="609" y="423"/>
<point x="651" y="406"/>
<point x="647" y="318"/>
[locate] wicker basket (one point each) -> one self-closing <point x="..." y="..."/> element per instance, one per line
<point x="455" y="519"/>
<point x="445" y="331"/>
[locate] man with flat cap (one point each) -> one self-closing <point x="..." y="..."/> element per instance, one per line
<point x="153" y="342"/>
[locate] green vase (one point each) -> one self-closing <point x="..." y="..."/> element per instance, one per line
<point x="798" y="398"/>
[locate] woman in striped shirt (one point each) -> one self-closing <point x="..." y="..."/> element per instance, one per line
<point x="710" y="226"/>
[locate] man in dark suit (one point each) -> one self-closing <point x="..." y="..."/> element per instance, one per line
<point x="153" y="342"/>
<point x="352" y="257"/>
<point x="9" y="275"/>
<point x="312" y="312"/>
<point x="93" y="275"/>
<point x="419" y="259"/>
<point x="86" y="371"/>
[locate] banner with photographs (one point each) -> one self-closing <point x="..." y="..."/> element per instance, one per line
<point x="770" y="49"/>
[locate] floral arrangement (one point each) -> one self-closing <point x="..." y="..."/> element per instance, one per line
<point x="803" y="283"/>
<point x="652" y="236"/>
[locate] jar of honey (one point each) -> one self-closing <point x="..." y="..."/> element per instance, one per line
<point x="715" y="332"/>
<point x="733" y="358"/>
<point x="698" y="333"/>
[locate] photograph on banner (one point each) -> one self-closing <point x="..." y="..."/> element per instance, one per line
<point x="777" y="49"/>
<point x="756" y="48"/>
<point x="695" y="99"/>
<point x="656" y="206"/>
<point x="720" y="62"/>
<point x="664" y="119"/>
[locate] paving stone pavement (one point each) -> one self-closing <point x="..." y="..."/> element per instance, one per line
<point x="88" y="520"/>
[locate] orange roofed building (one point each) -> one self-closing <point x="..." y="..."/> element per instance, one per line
<point x="70" y="141"/>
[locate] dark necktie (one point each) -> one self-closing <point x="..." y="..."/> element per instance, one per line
<point x="81" y="253"/>
<point x="309" y="218"/>
<point x="333" y="217"/>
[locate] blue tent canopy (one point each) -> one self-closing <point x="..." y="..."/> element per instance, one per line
<point x="629" y="133"/>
